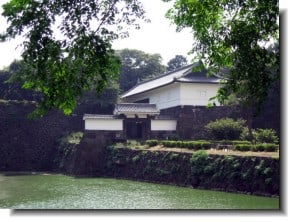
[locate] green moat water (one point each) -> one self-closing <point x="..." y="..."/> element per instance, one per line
<point x="49" y="191"/>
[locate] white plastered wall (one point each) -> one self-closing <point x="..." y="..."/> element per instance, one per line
<point x="163" y="125"/>
<point x="178" y="94"/>
<point x="104" y="124"/>
<point x="195" y="94"/>
<point x="164" y="97"/>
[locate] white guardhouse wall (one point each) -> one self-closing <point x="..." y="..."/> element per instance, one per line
<point x="197" y="94"/>
<point x="164" y="97"/>
<point x="163" y="125"/>
<point x="104" y="124"/>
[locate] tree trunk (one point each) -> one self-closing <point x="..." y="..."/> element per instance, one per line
<point x="249" y="118"/>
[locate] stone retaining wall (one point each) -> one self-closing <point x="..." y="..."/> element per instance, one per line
<point x="251" y="175"/>
<point x="30" y="145"/>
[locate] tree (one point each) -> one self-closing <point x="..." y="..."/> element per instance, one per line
<point x="137" y="66"/>
<point x="11" y="85"/>
<point x="176" y="62"/>
<point x="232" y="39"/>
<point x="67" y="47"/>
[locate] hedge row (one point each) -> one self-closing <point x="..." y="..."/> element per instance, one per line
<point x="269" y="147"/>
<point x="196" y="145"/>
<point x="200" y="144"/>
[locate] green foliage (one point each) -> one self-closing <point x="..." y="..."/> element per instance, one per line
<point x="173" y="156"/>
<point x="107" y="98"/>
<point x="151" y="143"/>
<point x="265" y="147"/>
<point x="225" y="129"/>
<point x="136" y="158"/>
<point x="135" y="144"/>
<point x="246" y="136"/>
<point x="199" y="156"/>
<point x="72" y="138"/>
<point x="168" y="143"/>
<point x="266" y="136"/>
<point x="256" y="148"/>
<point x="261" y="136"/>
<point x="161" y="172"/>
<point x="67" y="146"/>
<point x="81" y="58"/>
<point x="198" y="162"/>
<point x="243" y="147"/>
<point x="232" y="142"/>
<point x="137" y="66"/>
<point x="177" y="62"/>
<point x="195" y="145"/>
<point x="230" y="38"/>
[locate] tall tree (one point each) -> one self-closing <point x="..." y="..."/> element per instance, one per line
<point x="137" y="66"/>
<point x="232" y="38"/>
<point x="176" y="62"/>
<point x="67" y="47"/>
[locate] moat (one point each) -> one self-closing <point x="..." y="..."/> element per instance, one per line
<point x="55" y="191"/>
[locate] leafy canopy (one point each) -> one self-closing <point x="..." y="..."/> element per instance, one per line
<point x="137" y="66"/>
<point x="177" y="62"/>
<point x="67" y="47"/>
<point x="233" y="39"/>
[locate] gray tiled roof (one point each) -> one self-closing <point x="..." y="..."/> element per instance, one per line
<point x="183" y="74"/>
<point x="97" y="116"/>
<point x="136" y="108"/>
<point x="198" y="77"/>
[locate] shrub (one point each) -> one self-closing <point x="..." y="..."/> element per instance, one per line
<point x="246" y="136"/>
<point x="199" y="157"/>
<point x="205" y="145"/>
<point x="243" y="147"/>
<point x="270" y="147"/>
<point x="196" y="145"/>
<point x="258" y="148"/>
<point x="168" y="143"/>
<point x="136" y="158"/>
<point x="266" y="136"/>
<point x="261" y="135"/>
<point x="151" y="143"/>
<point x="187" y="144"/>
<point x="225" y="129"/>
<point x="240" y="142"/>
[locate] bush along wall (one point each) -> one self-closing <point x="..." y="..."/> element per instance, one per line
<point x="252" y="175"/>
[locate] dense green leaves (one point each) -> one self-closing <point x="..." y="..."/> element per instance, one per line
<point x="177" y="62"/>
<point x="67" y="47"/>
<point x="137" y="66"/>
<point x="225" y="129"/>
<point x="232" y="38"/>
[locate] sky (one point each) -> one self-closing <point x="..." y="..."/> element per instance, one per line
<point x="158" y="36"/>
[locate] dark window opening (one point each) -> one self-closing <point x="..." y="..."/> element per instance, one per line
<point x="143" y="101"/>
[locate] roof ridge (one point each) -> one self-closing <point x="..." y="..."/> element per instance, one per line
<point x="159" y="76"/>
<point x="144" y="104"/>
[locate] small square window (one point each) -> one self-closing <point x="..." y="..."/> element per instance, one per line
<point x="202" y="93"/>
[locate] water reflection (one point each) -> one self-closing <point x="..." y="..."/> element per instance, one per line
<point x="45" y="191"/>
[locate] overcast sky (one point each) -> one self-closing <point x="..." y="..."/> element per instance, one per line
<point x="159" y="36"/>
<point x="155" y="37"/>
